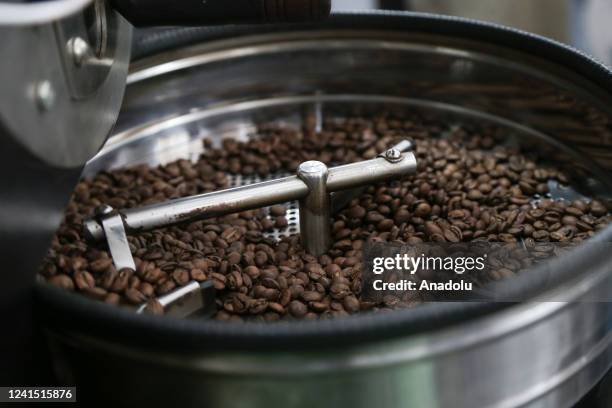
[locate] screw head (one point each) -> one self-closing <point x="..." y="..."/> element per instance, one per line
<point x="79" y="49"/>
<point x="312" y="167"/>
<point x="103" y="210"/>
<point x="44" y="95"/>
<point x="393" y="155"/>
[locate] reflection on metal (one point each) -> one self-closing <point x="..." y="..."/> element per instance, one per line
<point x="193" y="299"/>
<point x="62" y="98"/>
<point x="34" y="13"/>
<point x="117" y="242"/>
<point x="314" y="208"/>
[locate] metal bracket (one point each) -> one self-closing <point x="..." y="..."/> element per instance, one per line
<point x="195" y="297"/>
<point x="315" y="208"/>
<point x="116" y="237"/>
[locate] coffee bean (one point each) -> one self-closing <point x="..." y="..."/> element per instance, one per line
<point x="83" y="280"/>
<point x="277" y="210"/>
<point x="112" y="299"/>
<point x="134" y="296"/>
<point x="276" y="307"/>
<point x="356" y="211"/>
<point x="311" y="296"/>
<point x="402" y="216"/>
<point x="351" y="303"/>
<point x="475" y="195"/>
<point x="234" y="258"/>
<point x="166" y="287"/>
<point x="598" y="209"/>
<point x="154" y="307"/>
<point x="121" y="281"/>
<point x="147" y="289"/>
<point x="100" y="265"/>
<point x="297" y="309"/>
<point x="95" y="293"/>
<point x="109" y="277"/>
<point x="422" y="210"/>
<point x="62" y="281"/>
<point x="280" y="222"/>
<point x="197" y="275"/>
<point x="153" y="275"/>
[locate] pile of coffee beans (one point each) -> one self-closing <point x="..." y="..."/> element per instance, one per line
<point x="469" y="186"/>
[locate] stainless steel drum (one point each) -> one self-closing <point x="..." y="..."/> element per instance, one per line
<point x="223" y="83"/>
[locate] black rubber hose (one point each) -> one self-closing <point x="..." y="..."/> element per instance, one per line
<point x="210" y="12"/>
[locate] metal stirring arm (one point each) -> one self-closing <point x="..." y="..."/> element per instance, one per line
<point x="391" y="164"/>
<point x="312" y="186"/>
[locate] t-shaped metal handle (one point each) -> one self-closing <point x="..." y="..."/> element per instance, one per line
<point x="311" y="186"/>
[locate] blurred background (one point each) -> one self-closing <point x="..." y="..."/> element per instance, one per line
<point x="585" y="24"/>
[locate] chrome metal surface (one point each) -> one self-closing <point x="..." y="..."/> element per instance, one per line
<point x="315" y="211"/>
<point x="538" y="354"/>
<point x="27" y="14"/>
<point x="193" y="298"/>
<point x="118" y="244"/>
<point x="341" y="199"/>
<point x="87" y="96"/>
<point x="252" y="196"/>
<point x="79" y="50"/>
<point x="45" y="95"/>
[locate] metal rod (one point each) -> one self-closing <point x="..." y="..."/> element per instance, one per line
<point x="118" y="242"/>
<point x="340" y="199"/>
<point x="315" y="208"/>
<point x="253" y="196"/>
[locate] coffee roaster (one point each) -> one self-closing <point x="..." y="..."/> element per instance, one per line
<point x="541" y="93"/>
<point x="68" y="61"/>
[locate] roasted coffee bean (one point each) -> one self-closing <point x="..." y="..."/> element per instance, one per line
<point x="281" y="222"/>
<point x="112" y="299"/>
<point x="297" y="309"/>
<point x="121" y="281"/>
<point x="311" y="296"/>
<point x="134" y="296"/>
<point x="180" y="276"/>
<point x="197" y="275"/>
<point x="109" y="277"/>
<point x="356" y="211"/>
<point x="84" y="280"/>
<point x="95" y="293"/>
<point x="62" y="281"/>
<point x="598" y="209"/>
<point x="234" y="258"/>
<point x="276" y="307"/>
<point x="422" y="210"/>
<point x="100" y="265"/>
<point x="153" y="275"/>
<point x="166" y="287"/>
<point x="147" y="289"/>
<point x="277" y="210"/>
<point x="154" y="307"/>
